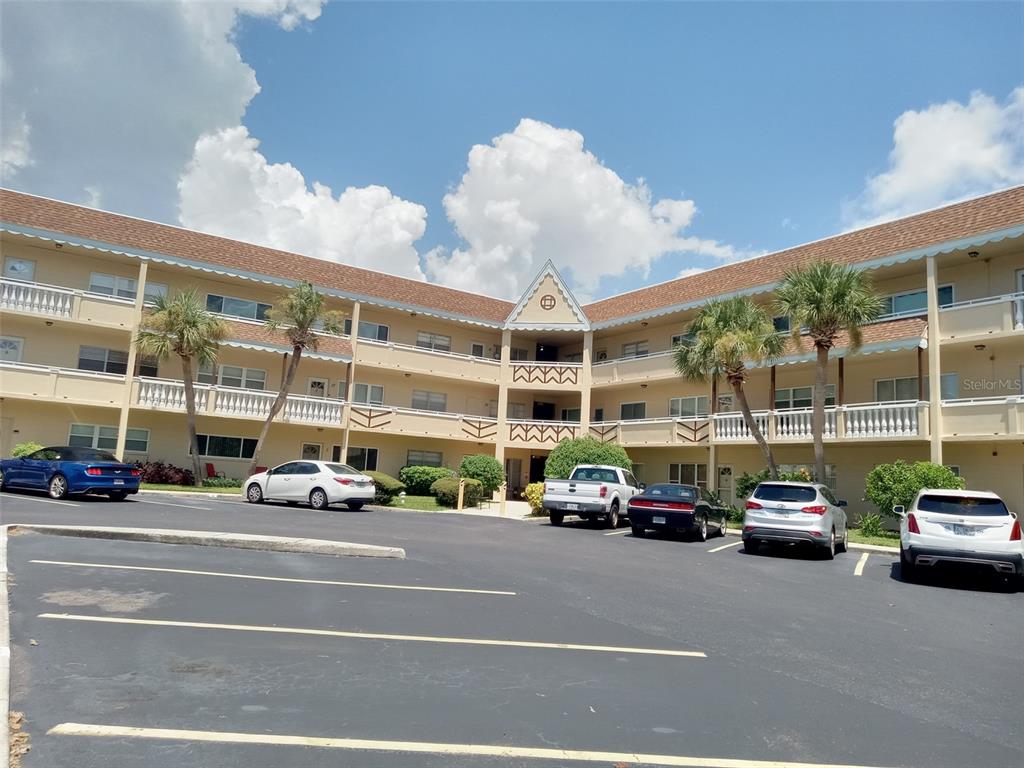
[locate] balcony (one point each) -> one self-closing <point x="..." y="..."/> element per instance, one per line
<point x="665" y="431"/>
<point x="410" y="359"/>
<point x="410" y="421"/>
<point x="43" y="382"/>
<point x="630" y="370"/>
<point x="990" y="417"/>
<point x="525" y="433"/>
<point x="868" y="421"/>
<point x="982" y="317"/>
<point x="66" y="304"/>
<point x="546" y="375"/>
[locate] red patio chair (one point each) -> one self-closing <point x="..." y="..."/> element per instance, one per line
<point x="212" y="472"/>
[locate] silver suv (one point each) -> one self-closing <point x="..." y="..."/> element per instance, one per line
<point x="794" y="513"/>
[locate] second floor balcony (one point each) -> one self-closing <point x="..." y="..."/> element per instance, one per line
<point x="66" y="304"/>
<point x="46" y="383"/>
<point x="906" y="420"/>
<point x="543" y="376"/>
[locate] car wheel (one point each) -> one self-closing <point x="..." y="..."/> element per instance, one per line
<point x="254" y="494"/>
<point x="118" y="495"/>
<point x="907" y="569"/>
<point x="751" y="546"/>
<point x="355" y="506"/>
<point x="557" y="518"/>
<point x="829" y="550"/>
<point x="58" y="487"/>
<point x="638" y="531"/>
<point x="318" y="499"/>
<point x="723" y="526"/>
<point x="612" y="521"/>
<point x="843" y="545"/>
<point x="3" y="485"/>
<point x="702" y="528"/>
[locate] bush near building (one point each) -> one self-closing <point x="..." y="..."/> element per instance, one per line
<point x="386" y="486"/>
<point x="534" y="495"/>
<point x="486" y="469"/>
<point x="584" y="450"/>
<point x="446" y="491"/>
<point x="160" y="473"/>
<point x="418" y="480"/>
<point x="746" y="483"/>
<point x="221" y="482"/>
<point x="24" y="449"/>
<point x="898" y="483"/>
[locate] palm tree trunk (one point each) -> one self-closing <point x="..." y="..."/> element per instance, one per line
<point x="190" y="412"/>
<point x="818" y="414"/>
<point x="277" y="405"/>
<point x="748" y="417"/>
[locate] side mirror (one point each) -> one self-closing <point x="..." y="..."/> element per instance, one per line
<point x="842" y="502"/>
<point x="899" y="510"/>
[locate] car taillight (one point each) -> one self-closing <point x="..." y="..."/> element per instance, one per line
<point x="604" y="491"/>
<point x="680" y="505"/>
<point x="343" y="480"/>
<point x="1015" y="531"/>
<point x="94" y="471"/>
<point x="912" y="524"/>
<point x="641" y="503"/>
<point x="136" y="473"/>
<point x="753" y="505"/>
<point x="816" y="509"/>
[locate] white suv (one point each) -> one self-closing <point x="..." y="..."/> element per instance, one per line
<point x="791" y="513"/>
<point x="959" y="527"/>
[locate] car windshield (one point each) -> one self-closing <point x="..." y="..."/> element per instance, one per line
<point x="90" y="454"/>
<point x="591" y="473"/>
<point x="962" y="505"/>
<point x="343" y="469"/>
<point x="779" y="492"/>
<point x="675" y="491"/>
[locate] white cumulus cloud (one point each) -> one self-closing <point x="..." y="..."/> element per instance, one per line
<point x="230" y="189"/>
<point x="536" y="194"/>
<point x="944" y="153"/>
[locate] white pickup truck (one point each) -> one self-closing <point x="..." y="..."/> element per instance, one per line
<point x="594" y="492"/>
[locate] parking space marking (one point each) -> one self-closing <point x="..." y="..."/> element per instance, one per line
<point x="726" y="546"/>
<point x="859" y="570"/>
<point x="619" y="533"/>
<point x="424" y="747"/>
<point x="373" y="635"/>
<point x="285" y="579"/>
<point x="50" y="501"/>
<point x="171" y="504"/>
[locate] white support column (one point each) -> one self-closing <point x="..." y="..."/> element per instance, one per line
<point x="504" y="378"/>
<point x="713" y="467"/>
<point x="129" y="377"/>
<point x="934" y="365"/>
<point x="586" y="381"/>
<point x="350" y="384"/>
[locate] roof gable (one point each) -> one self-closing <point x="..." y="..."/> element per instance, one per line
<point x="548" y="305"/>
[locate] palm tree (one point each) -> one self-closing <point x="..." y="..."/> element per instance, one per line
<point x="181" y="326"/>
<point x="299" y="313"/>
<point x="824" y="299"/>
<point x="723" y="336"/>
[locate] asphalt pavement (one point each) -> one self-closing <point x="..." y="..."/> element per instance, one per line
<point x="492" y="633"/>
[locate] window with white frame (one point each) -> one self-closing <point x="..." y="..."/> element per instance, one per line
<point x="424" y="459"/>
<point x="600" y="355"/>
<point x="124" y="287"/>
<point x="225" y="447"/>
<point x="367" y="394"/>
<point x="476" y="349"/>
<point x="105" y="438"/>
<point x="423" y="400"/>
<point x="232" y="376"/>
<point x="635" y="349"/>
<point x="632" y="411"/>
<point x="243" y="308"/>
<point x="910" y="302"/>
<point x="801" y="397"/>
<point x="781" y="323"/>
<point x="830" y="472"/>
<point x="11" y="348"/>
<point x="570" y="414"/>
<point x="435" y="341"/>
<point x="367" y="330"/>
<point x="19" y="269"/>
<point x="516" y="411"/>
<point x="954" y="468"/>
<point x="683" y="339"/>
<point x="689" y="474"/>
<point x="905" y="388"/>
<point x="102" y="360"/>
<point x="519" y="353"/>
<point x="688" y="407"/>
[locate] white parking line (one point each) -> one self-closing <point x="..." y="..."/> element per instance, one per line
<point x="172" y="504"/>
<point x="225" y="575"/>
<point x="425" y="747"/>
<point x="726" y="546"/>
<point x="373" y="635"/>
<point x="618" y="533"/>
<point x="859" y="570"/>
<point x="50" y="501"/>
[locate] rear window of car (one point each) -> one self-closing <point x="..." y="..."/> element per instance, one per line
<point x="773" y="492"/>
<point x="89" y="454"/>
<point x="601" y="475"/>
<point x="343" y="469"/>
<point x="962" y="505"/>
<point x="675" y="491"/>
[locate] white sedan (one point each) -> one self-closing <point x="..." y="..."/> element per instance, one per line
<point x="321" y="483"/>
<point x="959" y="527"/>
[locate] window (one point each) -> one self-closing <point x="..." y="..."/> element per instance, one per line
<point x="429" y="401"/>
<point x="147" y="365"/>
<point x="516" y="411"/>
<point x="630" y="480"/>
<point x="369" y="331"/>
<point x="599" y="414"/>
<point x="963" y="506"/>
<point x="893" y="390"/>
<point x="368" y="394"/>
<point x="434" y="341"/>
<point x="219" y="446"/>
<point x="914" y="301"/>
<point x="574" y="357"/>
<point x="102" y="360"/>
<point x="640" y="472"/>
<point x="92" y="436"/>
<point x="781" y="324"/>
<point x="689" y="474"/>
<point x="226" y="305"/>
<point x="800" y="397"/>
<point x="630" y="411"/>
<point x="601" y="354"/>
<point x="520" y="353"/>
<point x="954" y="468"/>
<point x="785" y="493"/>
<point x="19" y="269"/>
<point x="634" y="349"/>
<point x="363" y="459"/>
<point x="310" y="452"/>
<point x="10" y="348"/>
<point x="570" y="414"/>
<point x="424" y="459"/>
<point x="124" y="287"/>
<point x="242" y="378"/>
<point x="683" y="339"/>
<point x="477" y="350"/>
<point x="688" y="407"/>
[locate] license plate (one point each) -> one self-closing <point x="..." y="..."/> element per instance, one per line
<point x="963" y="530"/>
<point x="657" y="521"/>
<point x="119" y="482"/>
<point x="572" y="506"/>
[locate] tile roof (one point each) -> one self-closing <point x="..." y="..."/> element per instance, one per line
<point x="990" y="213"/>
<point x="127" y="232"/>
<point x="873" y="334"/>
<point x="260" y="334"/>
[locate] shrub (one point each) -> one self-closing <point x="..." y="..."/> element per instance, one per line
<point x="898" y="483"/>
<point x="584" y="450"/>
<point x="386" y="486"/>
<point x="221" y="482"/>
<point x="24" y="449"/>
<point x="484" y="468"/>
<point x="418" y="480"/>
<point x="446" y="491"/>
<point x="871" y="524"/>
<point x="746" y="483"/>
<point x="534" y="495"/>
<point x="165" y="474"/>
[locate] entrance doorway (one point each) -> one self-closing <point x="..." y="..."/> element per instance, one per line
<point x="543" y="411"/>
<point x="537" y="468"/>
<point x="547" y="353"/>
<point x="513" y="477"/>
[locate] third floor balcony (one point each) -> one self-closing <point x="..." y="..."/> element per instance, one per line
<point x="424" y="360"/>
<point x="66" y="304"/>
<point x="978" y="318"/>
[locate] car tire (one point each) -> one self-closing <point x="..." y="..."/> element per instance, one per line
<point x="118" y="495"/>
<point x="254" y="494"/>
<point x="355" y="506"/>
<point x="701" y="532"/>
<point x="318" y="499"/>
<point x="723" y="526"/>
<point x="58" y="487"/>
<point x="556" y="518"/>
<point x="3" y="485"/>
<point x="612" y="521"/>
<point x="828" y="552"/>
<point x="843" y="545"/>
<point x="751" y="546"/>
<point x="638" y="531"/>
<point x="908" y="571"/>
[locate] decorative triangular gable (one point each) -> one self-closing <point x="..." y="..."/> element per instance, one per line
<point x="548" y="304"/>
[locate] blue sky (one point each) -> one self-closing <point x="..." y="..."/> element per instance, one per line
<point x="769" y="117"/>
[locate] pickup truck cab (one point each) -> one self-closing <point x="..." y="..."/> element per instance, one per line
<point x="593" y="492"/>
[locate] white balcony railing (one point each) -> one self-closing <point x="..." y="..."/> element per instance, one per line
<point x="898" y="419"/>
<point x="731" y="427"/>
<point x="168" y="395"/>
<point x="37" y="298"/>
<point x="796" y="424"/>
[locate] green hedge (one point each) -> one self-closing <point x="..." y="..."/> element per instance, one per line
<point x="221" y="482"/>
<point x="746" y="483"/>
<point x="584" y="450"/>
<point x="418" y="480"/>
<point x="387" y="488"/>
<point x="898" y="483"/>
<point x="24" y="449"/>
<point x="484" y="468"/>
<point x="446" y="491"/>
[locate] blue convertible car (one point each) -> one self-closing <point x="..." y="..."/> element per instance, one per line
<point x="67" y="469"/>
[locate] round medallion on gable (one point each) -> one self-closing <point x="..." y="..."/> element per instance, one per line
<point x="547" y="301"/>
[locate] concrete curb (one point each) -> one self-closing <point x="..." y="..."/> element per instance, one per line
<point x="193" y="494"/>
<point x="216" y="539"/>
<point x="5" y="656"/>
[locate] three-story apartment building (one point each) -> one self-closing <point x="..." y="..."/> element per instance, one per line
<point x="426" y="374"/>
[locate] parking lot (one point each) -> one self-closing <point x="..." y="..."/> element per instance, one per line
<point x="493" y="643"/>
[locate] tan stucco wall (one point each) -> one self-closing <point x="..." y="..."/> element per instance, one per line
<point x="57" y="345"/>
<point x="533" y="312"/>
